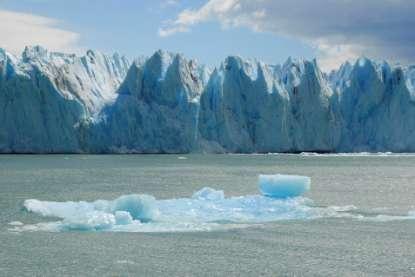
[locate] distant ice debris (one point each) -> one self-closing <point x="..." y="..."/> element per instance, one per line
<point x="124" y="262"/>
<point x="283" y="186"/>
<point x="181" y="158"/>
<point x="16" y="223"/>
<point x="209" y="194"/>
<point x="387" y="218"/>
<point x="358" y="154"/>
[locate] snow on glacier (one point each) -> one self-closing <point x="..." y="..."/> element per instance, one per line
<point x="93" y="78"/>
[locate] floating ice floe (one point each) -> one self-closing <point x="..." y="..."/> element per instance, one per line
<point x="208" y="209"/>
<point x="283" y="186"/>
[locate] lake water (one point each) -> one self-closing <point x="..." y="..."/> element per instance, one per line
<point x="376" y="237"/>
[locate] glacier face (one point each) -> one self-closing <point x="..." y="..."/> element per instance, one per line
<point x="45" y="97"/>
<point x="97" y="103"/>
<point x="156" y="110"/>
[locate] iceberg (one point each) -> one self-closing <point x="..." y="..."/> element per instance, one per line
<point x="208" y="209"/>
<point x="139" y="207"/>
<point x="283" y="186"/>
<point x="97" y="215"/>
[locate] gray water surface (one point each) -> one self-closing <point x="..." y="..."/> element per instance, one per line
<point x="322" y="247"/>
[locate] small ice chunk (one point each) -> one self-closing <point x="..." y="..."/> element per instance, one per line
<point x="123" y="218"/>
<point x="94" y="220"/>
<point x="209" y="194"/>
<point x="142" y="207"/>
<point x="16" y="223"/>
<point x="283" y="186"/>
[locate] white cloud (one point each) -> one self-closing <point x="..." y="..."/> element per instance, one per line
<point x="338" y="30"/>
<point x="214" y="9"/>
<point x="172" y="30"/>
<point x="18" y="30"/>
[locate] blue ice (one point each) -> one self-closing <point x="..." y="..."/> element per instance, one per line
<point x="207" y="209"/>
<point x="283" y="186"/>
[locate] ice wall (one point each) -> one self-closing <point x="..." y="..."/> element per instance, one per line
<point x="53" y="102"/>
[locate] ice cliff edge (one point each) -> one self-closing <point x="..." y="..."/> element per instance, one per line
<point x="97" y="103"/>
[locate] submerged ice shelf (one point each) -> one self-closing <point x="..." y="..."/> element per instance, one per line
<point x="208" y="209"/>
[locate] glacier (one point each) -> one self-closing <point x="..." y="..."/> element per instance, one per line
<point x="97" y="103"/>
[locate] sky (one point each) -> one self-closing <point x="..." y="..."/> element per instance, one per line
<point x="332" y="31"/>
